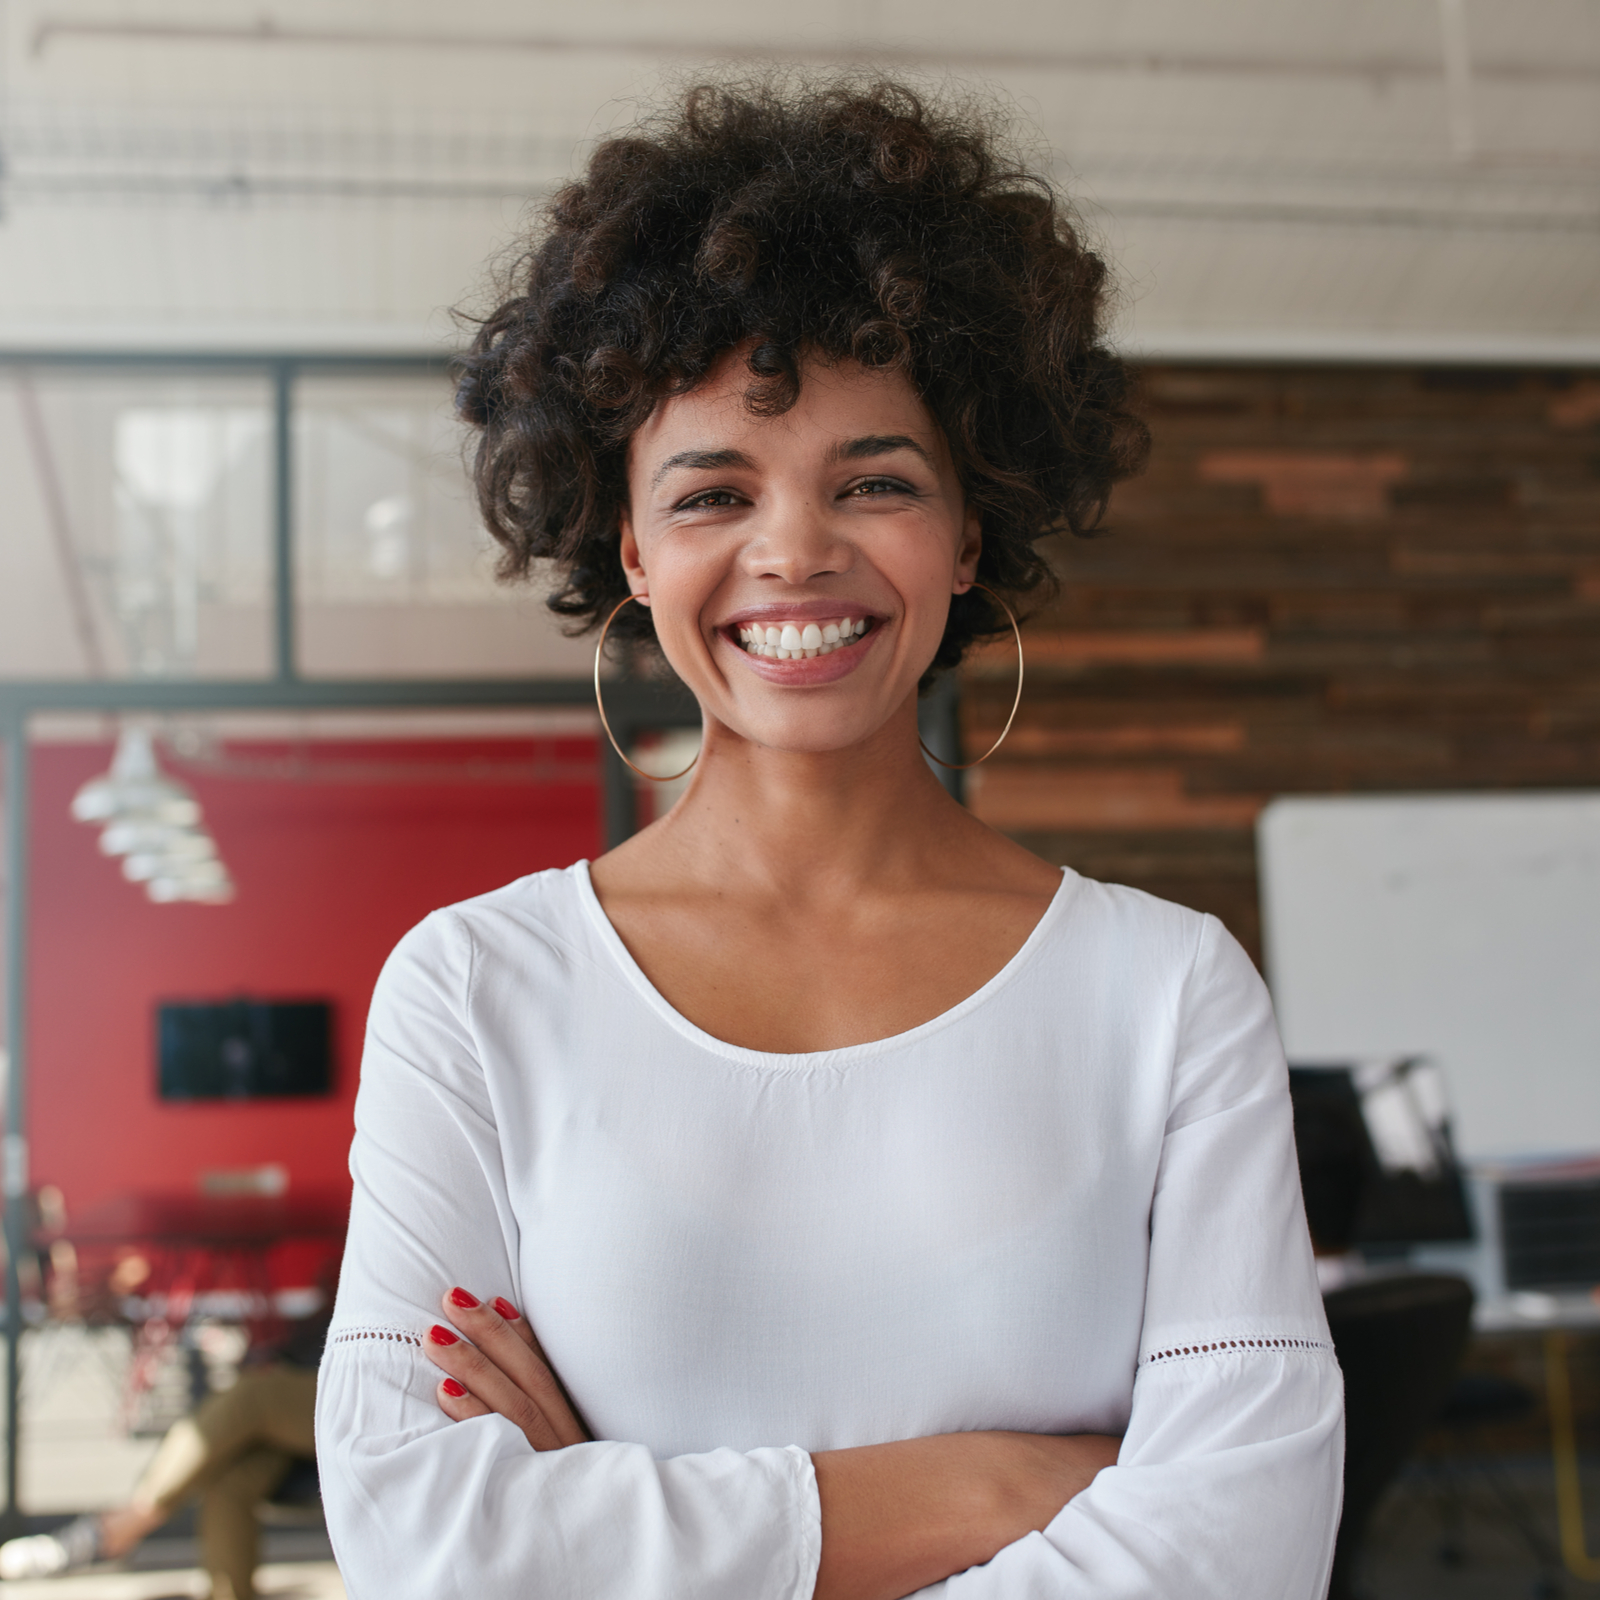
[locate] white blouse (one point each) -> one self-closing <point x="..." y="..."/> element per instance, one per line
<point x="1069" y="1204"/>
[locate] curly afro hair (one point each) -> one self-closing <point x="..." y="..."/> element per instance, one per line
<point x="834" y="220"/>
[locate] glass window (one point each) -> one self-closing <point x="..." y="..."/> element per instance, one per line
<point x="138" y="516"/>
<point x="395" y="574"/>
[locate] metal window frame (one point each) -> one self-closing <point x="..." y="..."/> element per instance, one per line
<point x="634" y="705"/>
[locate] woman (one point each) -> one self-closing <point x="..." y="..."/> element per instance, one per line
<point x="895" y="1211"/>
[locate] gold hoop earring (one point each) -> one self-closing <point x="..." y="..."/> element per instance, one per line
<point x="964" y="766"/>
<point x="601" y="707"/>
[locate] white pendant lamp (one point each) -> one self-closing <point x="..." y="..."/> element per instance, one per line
<point x="153" y="822"/>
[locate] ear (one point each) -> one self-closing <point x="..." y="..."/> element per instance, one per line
<point x="968" y="551"/>
<point x="632" y="562"/>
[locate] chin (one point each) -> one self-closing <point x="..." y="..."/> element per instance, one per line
<point x="809" y="735"/>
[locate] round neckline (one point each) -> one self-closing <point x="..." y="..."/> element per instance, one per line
<point x="841" y="1054"/>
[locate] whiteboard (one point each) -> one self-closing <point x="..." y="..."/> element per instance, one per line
<point x="1465" y="927"/>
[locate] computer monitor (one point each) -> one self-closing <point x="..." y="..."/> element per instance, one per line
<point x="1377" y="1164"/>
<point x="243" y="1049"/>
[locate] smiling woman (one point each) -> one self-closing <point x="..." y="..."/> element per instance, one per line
<point x="825" y="1197"/>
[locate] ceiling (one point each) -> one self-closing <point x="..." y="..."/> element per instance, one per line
<point x="1411" y="179"/>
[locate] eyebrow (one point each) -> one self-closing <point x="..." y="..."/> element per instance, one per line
<point x="877" y="444"/>
<point x="869" y="444"/>
<point x="700" y="461"/>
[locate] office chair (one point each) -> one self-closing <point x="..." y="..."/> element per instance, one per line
<point x="1399" y="1341"/>
<point x="1479" y="1400"/>
<point x="297" y="1501"/>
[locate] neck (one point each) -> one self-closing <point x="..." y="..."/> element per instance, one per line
<point x="811" y="825"/>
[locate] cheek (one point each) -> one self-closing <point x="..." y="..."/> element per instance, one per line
<point x="924" y="566"/>
<point x="680" y="591"/>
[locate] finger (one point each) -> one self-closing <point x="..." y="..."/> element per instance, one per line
<point x="512" y="1347"/>
<point x="524" y="1330"/>
<point x="519" y="1325"/>
<point x="457" y="1403"/>
<point x="483" y="1379"/>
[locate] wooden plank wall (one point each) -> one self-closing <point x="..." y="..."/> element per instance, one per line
<point x="1330" y="579"/>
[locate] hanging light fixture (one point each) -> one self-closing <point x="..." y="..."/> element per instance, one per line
<point x="153" y="823"/>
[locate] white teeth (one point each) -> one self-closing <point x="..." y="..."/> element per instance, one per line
<point x="792" y="641"/>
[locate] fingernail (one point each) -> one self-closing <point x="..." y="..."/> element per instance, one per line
<point x="506" y="1309"/>
<point x="442" y="1335"/>
<point x="460" y="1297"/>
<point x="455" y="1390"/>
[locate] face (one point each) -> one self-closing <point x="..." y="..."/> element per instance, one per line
<point x="799" y="568"/>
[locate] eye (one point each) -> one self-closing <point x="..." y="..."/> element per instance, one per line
<point x="869" y="488"/>
<point x="708" y="499"/>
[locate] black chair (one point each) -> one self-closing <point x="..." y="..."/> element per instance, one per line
<point x="1399" y="1341"/>
<point x="301" y="1488"/>
<point x="297" y="1501"/>
<point x="1480" y="1400"/>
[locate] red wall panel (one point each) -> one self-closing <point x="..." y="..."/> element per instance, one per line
<point x="329" y="875"/>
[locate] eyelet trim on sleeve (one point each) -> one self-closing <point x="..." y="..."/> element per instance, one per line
<point x="387" y="1335"/>
<point x="1188" y="1352"/>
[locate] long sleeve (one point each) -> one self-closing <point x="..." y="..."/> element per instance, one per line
<point x="1227" y="1486"/>
<point x="420" y="1506"/>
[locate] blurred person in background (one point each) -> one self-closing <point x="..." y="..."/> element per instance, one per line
<point x="233" y="1453"/>
<point x="895" y="1212"/>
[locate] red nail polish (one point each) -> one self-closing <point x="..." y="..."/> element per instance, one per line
<point x="455" y="1390"/>
<point x="442" y="1335"/>
<point x="460" y="1297"/>
<point x="507" y="1310"/>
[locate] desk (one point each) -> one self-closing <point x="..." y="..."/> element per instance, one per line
<point x="196" y="1221"/>
<point x="1532" y="1312"/>
<point x="199" y="1245"/>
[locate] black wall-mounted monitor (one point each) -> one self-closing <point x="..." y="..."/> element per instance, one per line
<point x="244" y="1049"/>
<point x="1377" y="1164"/>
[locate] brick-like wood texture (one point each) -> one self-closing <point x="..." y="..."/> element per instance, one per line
<point x="1329" y="580"/>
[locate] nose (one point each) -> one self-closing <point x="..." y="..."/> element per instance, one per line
<point x="795" y="539"/>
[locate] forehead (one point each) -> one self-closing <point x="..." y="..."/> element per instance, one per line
<point x="842" y="400"/>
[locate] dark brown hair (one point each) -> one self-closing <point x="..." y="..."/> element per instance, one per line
<point x="839" y="220"/>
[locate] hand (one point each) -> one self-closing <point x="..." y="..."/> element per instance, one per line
<point x="502" y="1370"/>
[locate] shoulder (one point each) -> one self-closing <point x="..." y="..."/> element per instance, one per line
<point x="548" y="906"/>
<point x="531" y="922"/>
<point x="505" y="954"/>
<point x="1183" y="967"/>
<point x="1191" y="949"/>
<point x="1150" y="938"/>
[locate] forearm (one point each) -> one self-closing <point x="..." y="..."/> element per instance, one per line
<point x="897" y="1517"/>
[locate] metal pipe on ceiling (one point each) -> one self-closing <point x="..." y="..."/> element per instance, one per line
<point x="1371" y="68"/>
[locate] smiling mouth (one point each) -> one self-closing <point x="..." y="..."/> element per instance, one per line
<point x="797" y="641"/>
